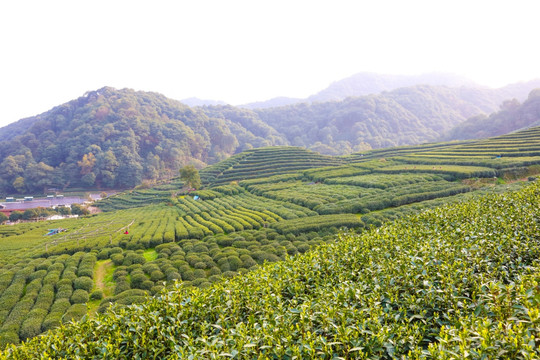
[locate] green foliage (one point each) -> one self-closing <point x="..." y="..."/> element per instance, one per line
<point x="382" y="294"/>
<point x="96" y="295"/>
<point x="83" y="282"/>
<point x="79" y="296"/>
<point x="232" y="229"/>
<point x="190" y="176"/>
<point x="512" y="116"/>
<point x="116" y="138"/>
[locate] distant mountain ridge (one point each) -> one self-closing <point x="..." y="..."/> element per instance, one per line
<point x="366" y="83"/>
<point x="118" y="138"/>
<point x="511" y="117"/>
<point x="194" y="101"/>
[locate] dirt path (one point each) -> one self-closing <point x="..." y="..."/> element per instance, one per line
<point x="100" y="274"/>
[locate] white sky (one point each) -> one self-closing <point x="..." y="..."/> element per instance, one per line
<point x="243" y="51"/>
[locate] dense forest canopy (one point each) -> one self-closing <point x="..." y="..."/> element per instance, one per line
<point x="511" y="116"/>
<point x="118" y="138"/>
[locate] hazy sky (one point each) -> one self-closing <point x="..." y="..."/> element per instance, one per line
<point x="243" y="51"/>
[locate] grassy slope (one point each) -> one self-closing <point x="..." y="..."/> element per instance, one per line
<point x="454" y="282"/>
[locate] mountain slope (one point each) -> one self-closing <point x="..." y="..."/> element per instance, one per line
<point x="511" y="117"/>
<point x="117" y="138"/>
<point x="268" y="203"/>
<point x="371" y="83"/>
<point x="403" y="116"/>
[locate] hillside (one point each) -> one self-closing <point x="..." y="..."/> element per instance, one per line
<point x="511" y="117"/>
<point x="403" y="116"/>
<point x="259" y="206"/>
<point x="119" y="138"/>
<point x="448" y="283"/>
<point x="371" y="83"/>
<point x="363" y="84"/>
<point x="116" y="138"/>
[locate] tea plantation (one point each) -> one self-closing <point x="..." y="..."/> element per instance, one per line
<point x="271" y="205"/>
<point x="459" y="281"/>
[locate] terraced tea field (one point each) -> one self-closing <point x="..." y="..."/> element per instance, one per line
<point x="260" y="206"/>
<point x="455" y="282"/>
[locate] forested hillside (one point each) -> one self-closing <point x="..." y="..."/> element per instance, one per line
<point x="511" y="116"/>
<point x="116" y="138"/>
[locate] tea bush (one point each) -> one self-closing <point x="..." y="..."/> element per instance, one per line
<point x="459" y="281"/>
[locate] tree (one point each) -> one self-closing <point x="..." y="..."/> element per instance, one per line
<point x="38" y="176"/>
<point x="63" y="210"/>
<point x="78" y="209"/>
<point x="190" y="176"/>
<point x="107" y="164"/>
<point x="3" y="218"/>
<point x="29" y="214"/>
<point x="15" y="216"/>
<point x="87" y="163"/>
<point x="19" y="185"/>
<point x="88" y="179"/>
<point x="10" y="169"/>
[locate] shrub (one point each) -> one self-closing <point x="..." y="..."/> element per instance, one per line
<point x="32" y="289"/>
<point x="75" y="312"/>
<point x="137" y="280"/>
<point x="60" y="306"/>
<point x="64" y="292"/>
<point x="96" y="295"/>
<point x="52" y="320"/>
<point x="31" y="326"/>
<point x="70" y="273"/>
<point x="234" y="263"/>
<point x="117" y="259"/>
<point x="134" y="267"/>
<point x="79" y="296"/>
<point x="133" y="258"/>
<point x="187" y="275"/>
<point x="115" y="250"/>
<point x="119" y="273"/>
<point x="63" y="282"/>
<point x="174" y="275"/>
<point x="200" y="265"/>
<point x="147" y="285"/>
<point x="121" y="286"/>
<point x="229" y="274"/>
<point x="199" y="274"/>
<point x="148" y="268"/>
<point x="45" y="298"/>
<point x="157" y="275"/>
<point x="83" y="282"/>
<point x="40" y="274"/>
<point x="9" y="337"/>
<point x="86" y="271"/>
<point x="51" y="278"/>
<point x="44" y="265"/>
<point x="56" y="267"/>
<point x="247" y="261"/>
